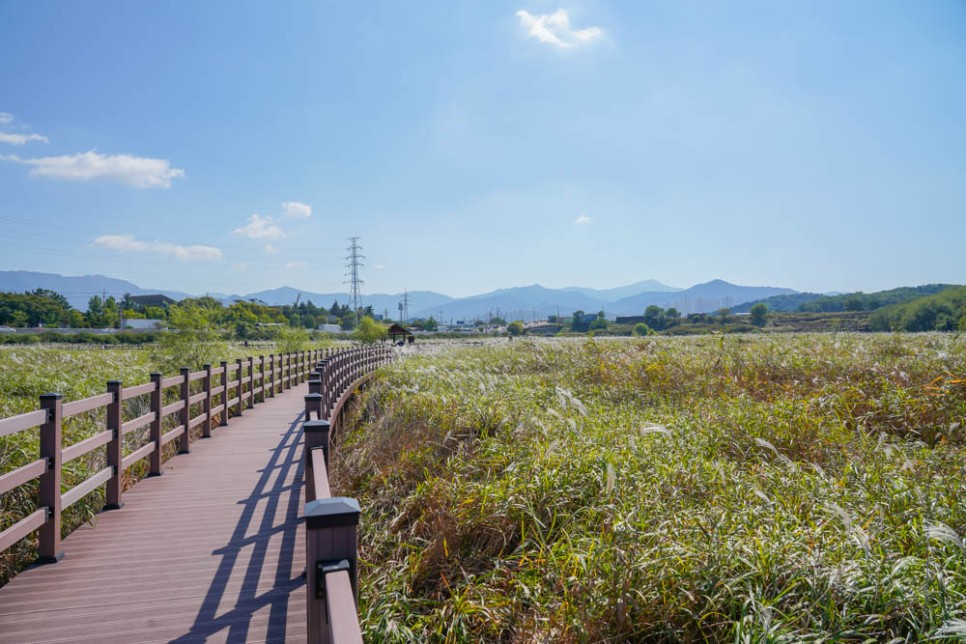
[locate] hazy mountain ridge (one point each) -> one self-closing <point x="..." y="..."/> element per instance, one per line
<point x="521" y="302"/>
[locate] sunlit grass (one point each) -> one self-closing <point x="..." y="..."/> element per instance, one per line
<point x="788" y="489"/>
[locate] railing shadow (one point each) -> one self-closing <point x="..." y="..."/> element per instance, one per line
<point x="280" y="485"/>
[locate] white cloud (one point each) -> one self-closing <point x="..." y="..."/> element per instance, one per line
<point x="259" y="227"/>
<point x="296" y="210"/>
<point x="297" y="265"/>
<point x="240" y="266"/>
<point x="379" y="267"/>
<point x="271" y="249"/>
<point x="139" y="172"/>
<point x="21" y="139"/>
<point x="6" y="117"/>
<point x="183" y="253"/>
<point x="583" y="219"/>
<point x="554" y="29"/>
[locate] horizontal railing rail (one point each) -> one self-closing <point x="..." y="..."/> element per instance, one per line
<point x="331" y="523"/>
<point x="201" y="396"/>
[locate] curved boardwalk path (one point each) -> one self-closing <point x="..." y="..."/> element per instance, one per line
<point x="211" y="551"/>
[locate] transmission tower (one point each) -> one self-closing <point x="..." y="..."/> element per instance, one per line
<point x="353" y="264"/>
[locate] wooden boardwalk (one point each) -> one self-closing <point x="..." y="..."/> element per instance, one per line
<point x="210" y="551"/>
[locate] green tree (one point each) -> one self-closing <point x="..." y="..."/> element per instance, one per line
<point x="370" y="331"/>
<point x="759" y="314"/>
<point x="641" y="329"/>
<point x="515" y="328"/>
<point x="655" y="317"/>
<point x="193" y="341"/>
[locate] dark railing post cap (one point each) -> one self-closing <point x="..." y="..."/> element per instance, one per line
<point x="206" y="366"/>
<point x="313" y="426"/>
<point x="156" y="374"/>
<point x="313" y="397"/>
<point x="337" y="512"/>
<point x="51" y="396"/>
<point x="185" y="369"/>
<point x="113" y="383"/>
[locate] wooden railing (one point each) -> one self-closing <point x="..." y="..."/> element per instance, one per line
<point x="226" y="390"/>
<point x="331" y="523"/>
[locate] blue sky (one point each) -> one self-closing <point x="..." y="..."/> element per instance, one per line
<point x="234" y="146"/>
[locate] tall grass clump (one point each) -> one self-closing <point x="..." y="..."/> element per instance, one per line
<point x="799" y="488"/>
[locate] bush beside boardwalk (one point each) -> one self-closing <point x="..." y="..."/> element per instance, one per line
<point x="724" y="488"/>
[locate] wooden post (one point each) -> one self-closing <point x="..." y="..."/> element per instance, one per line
<point x="331" y="527"/>
<point x="115" y="448"/>
<point x="251" y="382"/>
<point x="156" y="425"/>
<point x="51" y="442"/>
<point x="313" y="402"/>
<point x="271" y="376"/>
<point x="261" y="376"/>
<point x="241" y="381"/>
<point x="184" y="441"/>
<point x="224" y="393"/>
<point x="206" y="426"/>
<point x="316" y="436"/>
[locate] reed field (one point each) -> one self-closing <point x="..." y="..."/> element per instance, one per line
<point x="717" y="488"/>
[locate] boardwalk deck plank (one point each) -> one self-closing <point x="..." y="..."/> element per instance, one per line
<point x="210" y="551"/>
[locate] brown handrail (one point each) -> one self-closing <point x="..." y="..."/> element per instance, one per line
<point x="331" y="524"/>
<point x="53" y="454"/>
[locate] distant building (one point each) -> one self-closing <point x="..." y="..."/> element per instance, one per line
<point x="151" y="300"/>
<point x="330" y="328"/>
<point x="629" y="319"/>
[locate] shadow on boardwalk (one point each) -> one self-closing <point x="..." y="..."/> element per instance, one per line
<point x="277" y="494"/>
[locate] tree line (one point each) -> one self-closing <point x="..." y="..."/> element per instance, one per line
<point x="246" y="320"/>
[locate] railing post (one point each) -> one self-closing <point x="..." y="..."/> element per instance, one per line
<point x="316" y="434"/>
<point x="224" y="393"/>
<point x="115" y="448"/>
<point x="206" y="428"/>
<point x="184" y="441"/>
<point x="156" y="425"/>
<point x="331" y="527"/>
<point x="271" y="375"/>
<point x="261" y="376"/>
<point x="251" y="382"/>
<point x="239" y="405"/>
<point x="313" y="402"/>
<point x="51" y="442"/>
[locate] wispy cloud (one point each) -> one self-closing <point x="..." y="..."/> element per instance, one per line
<point x="138" y="172"/>
<point x="259" y="227"/>
<point x="297" y="265"/>
<point x="6" y="117"/>
<point x="554" y="29"/>
<point x="22" y="139"/>
<point x="583" y="219"/>
<point x="296" y="210"/>
<point x="128" y="243"/>
<point x="271" y="249"/>
<point x="240" y="266"/>
<point x="379" y="267"/>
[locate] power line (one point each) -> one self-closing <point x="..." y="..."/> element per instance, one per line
<point x="353" y="259"/>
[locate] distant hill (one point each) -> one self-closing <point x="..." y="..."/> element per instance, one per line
<point x="700" y="298"/>
<point x="518" y="303"/>
<point x="78" y="290"/>
<point x="614" y="294"/>
<point x="860" y="301"/>
<point x="941" y="311"/>
<point x="783" y="303"/>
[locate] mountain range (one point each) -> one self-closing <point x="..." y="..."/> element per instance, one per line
<point x="533" y="302"/>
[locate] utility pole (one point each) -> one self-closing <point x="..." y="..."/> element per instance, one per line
<point x="353" y="264"/>
<point x="404" y="308"/>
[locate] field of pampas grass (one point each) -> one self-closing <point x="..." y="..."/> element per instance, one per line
<point x="796" y="488"/>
